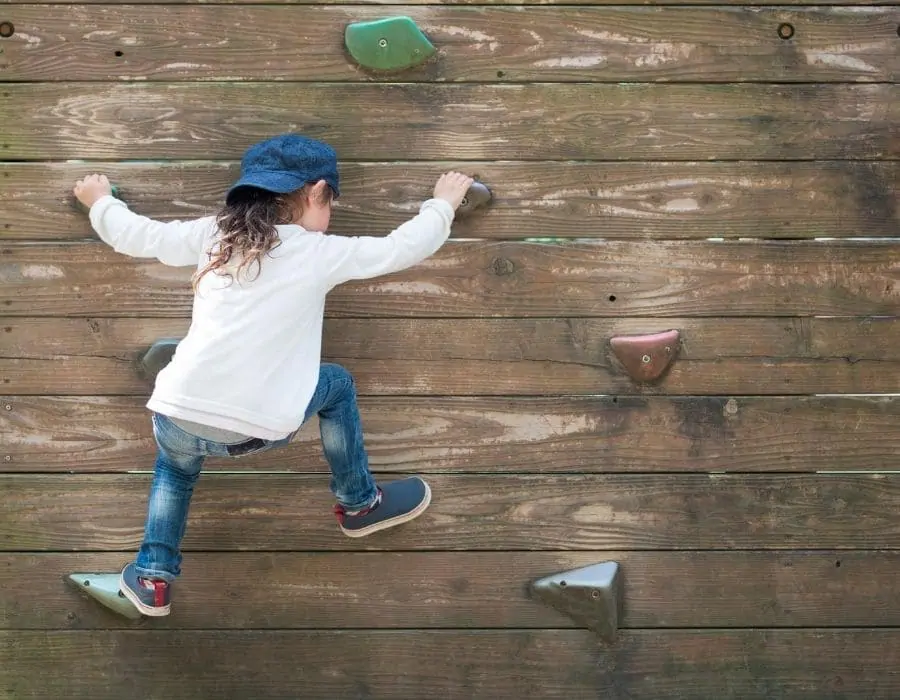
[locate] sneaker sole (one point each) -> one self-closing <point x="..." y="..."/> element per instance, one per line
<point x="135" y="601"/>
<point x="393" y="522"/>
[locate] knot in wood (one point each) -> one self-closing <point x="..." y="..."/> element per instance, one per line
<point x="502" y="266"/>
<point x="731" y="407"/>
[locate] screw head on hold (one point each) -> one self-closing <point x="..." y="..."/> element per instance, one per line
<point x="7" y="29"/>
<point x="382" y="43"/>
<point x="646" y="359"/>
<point x="8" y="407"/>
<point x="786" y="30"/>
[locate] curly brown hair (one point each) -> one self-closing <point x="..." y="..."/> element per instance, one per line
<point x="247" y="227"/>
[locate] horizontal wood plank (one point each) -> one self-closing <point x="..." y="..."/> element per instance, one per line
<point x="493" y="357"/>
<point x="559" y="434"/>
<point x="472" y="589"/>
<point x="582" y="200"/>
<point x="579" y="121"/>
<point x="504" y="279"/>
<point x="738" y="44"/>
<point x="564" y="664"/>
<point x="278" y="512"/>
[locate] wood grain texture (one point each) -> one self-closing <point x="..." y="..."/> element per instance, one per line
<point x="579" y="121"/>
<point x="470" y="590"/>
<point x="504" y="279"/>
<point x="581" y="200"/>
<point x="278" y="512"/>
<point x="491" y="357"/>
<point x="564" y="664"/>
<point x="125" y="42"/>
<point x="543" y="435"/>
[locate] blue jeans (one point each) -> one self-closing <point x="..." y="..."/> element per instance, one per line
<point x="180" y="457"/>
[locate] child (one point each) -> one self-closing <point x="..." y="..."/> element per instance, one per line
<point x="248" y="375"/>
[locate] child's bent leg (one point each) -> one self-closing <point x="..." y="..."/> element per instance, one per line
<point x="341" y="431"/>
<point x="363" y="507"/>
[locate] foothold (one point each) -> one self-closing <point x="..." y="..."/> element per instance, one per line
<point x="477" y="196"/>
<point x="158" y="356"/>
<point x="390" y="44"/>
<point x="646" y="357"/>
<point x="104" y="588"/>
<point x="592" y="596"/>
<point x="7" y="29"/>
<point x="84" y="210"/>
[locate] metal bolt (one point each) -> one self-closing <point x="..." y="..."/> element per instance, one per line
<point x="382" y="43"/>
<point x="8" y="407"/>
<point x="646" y="359"/>
<point x="464" y="202"/>
<point x="595" y="594"/>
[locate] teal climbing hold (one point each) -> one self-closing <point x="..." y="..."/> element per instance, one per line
<point x="390" y="44"/>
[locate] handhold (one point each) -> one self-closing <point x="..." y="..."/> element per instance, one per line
<point x="592" y="596"/>
<point x="390" y="44"/>
<point x="646" y="357"/>
<point x="104" y="588"/>
<point x="158" y="356"/>
<point x="477" y="196"/>
<point x="84" y="210"/>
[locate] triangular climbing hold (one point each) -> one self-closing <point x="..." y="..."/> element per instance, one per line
<point x="104" y="588"/>
<point x="592" y="596"/>
<point x="390" y="44"/>
<point x="158" y="356"/>
<point x="646" y="357"/>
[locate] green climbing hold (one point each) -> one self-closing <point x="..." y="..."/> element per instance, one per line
<point x="390" y="44"/>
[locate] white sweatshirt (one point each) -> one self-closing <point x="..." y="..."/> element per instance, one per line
<point x="250" y="360"/>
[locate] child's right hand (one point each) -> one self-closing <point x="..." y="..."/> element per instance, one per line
<point x="452" y="187"/>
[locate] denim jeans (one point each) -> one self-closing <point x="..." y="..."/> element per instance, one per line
<point x="180" y="457"/>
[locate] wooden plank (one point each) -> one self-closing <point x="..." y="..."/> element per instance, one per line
<point x="565" y="664"/>
<point x="497" y="279"/>
<point x="738" y="44"/>
<point x="492" y="357"/>
<point x="472" y="589"/>
<point x="543" y="435"/>
<point x="278" y="512"/>
<point x="393" y="4"/>
<point x="579" y="121"/>
<point x="581" y="200"/>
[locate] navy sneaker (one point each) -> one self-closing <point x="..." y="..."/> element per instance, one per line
<point x="397" y="502"/>
<point x="150" y="596"/>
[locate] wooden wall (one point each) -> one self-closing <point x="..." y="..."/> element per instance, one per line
<point x="712" y="176"/>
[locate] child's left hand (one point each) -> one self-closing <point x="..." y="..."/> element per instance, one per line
<point x="92" y="188"/>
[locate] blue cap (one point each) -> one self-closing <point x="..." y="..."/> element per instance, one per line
<point x="286" y="163"/>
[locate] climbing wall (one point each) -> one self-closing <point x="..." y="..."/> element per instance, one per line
<point x="722" y="171"/>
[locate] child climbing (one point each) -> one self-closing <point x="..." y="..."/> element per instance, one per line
<point x="248" y="373"/>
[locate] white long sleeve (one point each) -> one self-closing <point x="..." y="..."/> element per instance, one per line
<point x="176" y="243"/>
<point x="363" y="257"/>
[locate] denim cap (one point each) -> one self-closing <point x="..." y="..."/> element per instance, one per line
<point x="286" y="163"/>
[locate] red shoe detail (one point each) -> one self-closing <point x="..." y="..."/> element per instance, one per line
<point x="159" y="593"/>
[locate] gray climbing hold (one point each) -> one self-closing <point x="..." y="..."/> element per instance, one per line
<point x="158" y="356"/>
<point x="592" y="596"/>
<point x="104" y="588"/>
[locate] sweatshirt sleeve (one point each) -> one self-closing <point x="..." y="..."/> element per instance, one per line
<point x="362" y="257"/>
<point x="176" y="243"/>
